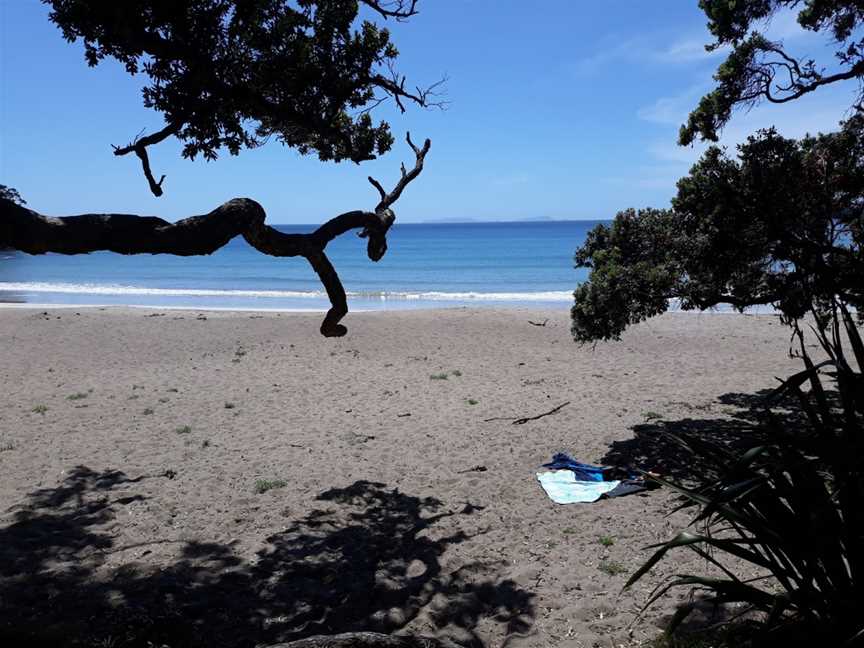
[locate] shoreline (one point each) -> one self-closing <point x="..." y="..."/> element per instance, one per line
<point x="414" y="307"/>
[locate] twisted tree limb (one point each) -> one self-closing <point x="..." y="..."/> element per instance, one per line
<point x="139" y="147"/>
<point x="28" y="231"/>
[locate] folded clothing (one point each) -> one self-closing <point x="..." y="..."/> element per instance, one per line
<point x="581" y="471"/>
<point x="628" y="487"/>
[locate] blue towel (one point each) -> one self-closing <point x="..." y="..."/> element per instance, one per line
<point x="581" y="472"/>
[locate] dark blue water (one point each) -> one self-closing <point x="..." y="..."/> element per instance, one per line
<point x="425" y="265"/>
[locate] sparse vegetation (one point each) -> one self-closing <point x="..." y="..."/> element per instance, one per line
<point x="77" y="396"/>
<point x="6" y="447"/>
<point x="183" y="430"/>
<point x="606" y="541"/>
<point x="40" y="409"/>
<point x="472" y="401"/>
<point x="147" y="411"/>
<point x="445" y="374"/>
<point x="611" y="567"/>
<point x="264" y="485"/>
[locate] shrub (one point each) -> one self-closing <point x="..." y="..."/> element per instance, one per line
<point x="792" y="508"/>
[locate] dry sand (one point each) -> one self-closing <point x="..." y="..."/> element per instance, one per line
<point x="129" y="506"/>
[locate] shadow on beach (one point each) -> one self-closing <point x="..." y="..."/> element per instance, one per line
<point x="661" y="446"/>
<point x="368" y="559"/>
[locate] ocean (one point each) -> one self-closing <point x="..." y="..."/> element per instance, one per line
<point x="426" y="265"/>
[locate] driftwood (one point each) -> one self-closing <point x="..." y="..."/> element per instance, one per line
<point x="543" y="323"/>
<point x="522" y="421"/>
<point x="28" y="231"/>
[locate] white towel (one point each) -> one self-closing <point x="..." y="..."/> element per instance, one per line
<point x="562" y="487"/>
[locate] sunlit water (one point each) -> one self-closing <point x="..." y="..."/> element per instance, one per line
<point x="525" y="263"/>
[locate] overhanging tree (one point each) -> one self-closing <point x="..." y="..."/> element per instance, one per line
<point x="758" y="69"/>
<point x="230" y="75"/>
<point x="781" y="225"/>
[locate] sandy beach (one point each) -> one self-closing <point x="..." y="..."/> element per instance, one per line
<point x="135" y="444"/>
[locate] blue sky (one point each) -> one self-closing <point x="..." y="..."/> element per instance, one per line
<point x="562" y="109"/>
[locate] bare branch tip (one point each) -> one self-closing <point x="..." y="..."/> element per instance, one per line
<point x="378" y="186"/>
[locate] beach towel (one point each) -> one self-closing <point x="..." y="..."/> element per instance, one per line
<point x="562" y="487"/>
<point x="581" y="471"/>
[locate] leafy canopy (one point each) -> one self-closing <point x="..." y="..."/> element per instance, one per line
<point x="234" y="73"/>
<point x="758" y="69"/>
<point x="783" y="224"/>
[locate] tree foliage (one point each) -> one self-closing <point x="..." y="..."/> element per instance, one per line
<point x="758" y="69"/>
<point x="10" y="194"/>
<point x="781" y="224"/>
<point x="232" y="74"/>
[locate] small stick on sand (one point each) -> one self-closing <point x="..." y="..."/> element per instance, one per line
<point x="522" y="421"/>
<point x="543" y="323"/>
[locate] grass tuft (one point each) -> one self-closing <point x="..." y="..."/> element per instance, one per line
<point x="40" y="409"/>
<point x="183" y="430"/>
<point x="77" y="396"/>
<point x="264" y="485"/>
<point x="606" y="541"/>
<point x="611" y="567"/>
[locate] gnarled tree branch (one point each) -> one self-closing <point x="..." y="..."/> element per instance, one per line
<point x="28" y="231"/>
<point x="139" y="146"/>
<point x="398" y="9"/>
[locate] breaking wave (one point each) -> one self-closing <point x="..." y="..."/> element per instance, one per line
<point x="409" y="295"/>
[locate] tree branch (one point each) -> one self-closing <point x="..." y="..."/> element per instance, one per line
<point x="395" y="87"/>
<point x="139" y="147"/>
<point x="802" y="79"/>
<point x="28" y="231"/>
<point x="393" y="196"/>
<point x="398" y="9"/>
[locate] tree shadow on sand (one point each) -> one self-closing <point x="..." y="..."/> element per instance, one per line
<point x="368" y="559"/>
<point x="661" y="446"/>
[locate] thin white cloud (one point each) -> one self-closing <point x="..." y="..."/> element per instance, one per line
<point x="605" y="55"/>
<point x="688" y="50"/>
<point x="673" y="109"/>
<point x="685" y="49"/>
<point x="653" y="50"/>
<point x="809" y="115"/>
<point x="794" y="120"/>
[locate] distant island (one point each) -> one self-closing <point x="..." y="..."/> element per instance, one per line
<point x="533" y="219"/>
